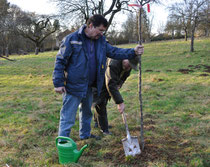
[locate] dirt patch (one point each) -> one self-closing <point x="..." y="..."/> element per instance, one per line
<point x="206" y="68"/>
<point x="147" y="115"/>
<point x="199" y="66"/>
<point x="157" y="80"/>
<point x="148" y="70"/>
<point x="185" y="71"/>
<point x="168" y="70"/>
<point x="150" y="153"/>
<point x="149" y="122"/>
<point x="108" y="156"/>
<point x="204" y="75"/>
<point x="150" y="127"/>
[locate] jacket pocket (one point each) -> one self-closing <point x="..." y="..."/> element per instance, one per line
<point x="76" y="51"/>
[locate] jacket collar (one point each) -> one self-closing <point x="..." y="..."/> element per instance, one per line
<point x="81" y="29"/>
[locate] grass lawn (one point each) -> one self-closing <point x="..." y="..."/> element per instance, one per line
<point x="176" y="106"/>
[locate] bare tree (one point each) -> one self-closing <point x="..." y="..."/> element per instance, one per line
<point x="170" y="27"/>
<point x="13" y="42"/>
<point x="113" y="34"/>
<point x="4" y="6"/>
<point x="35" y="28"/>
<point x="161" y="27"/>
<point x="146" y="26"/>
<point x="205" y="23"/>
<point x="83" y="9"/>
<point x="130" y="28"/>
<point x="195" y="6"/>
<point x="180" y="14"/>
<point x="191" y="14"/>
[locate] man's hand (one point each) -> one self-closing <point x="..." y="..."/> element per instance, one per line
<point x="60" y="90"/>
<point x="139" y="50"/>
<point x="121" y="107"/>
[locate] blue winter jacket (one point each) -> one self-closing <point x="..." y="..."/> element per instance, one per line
<point x="71" y="65"/>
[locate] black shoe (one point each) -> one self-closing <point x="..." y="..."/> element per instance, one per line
<point x="93" y="137"/>
<point x="106" y="132"/>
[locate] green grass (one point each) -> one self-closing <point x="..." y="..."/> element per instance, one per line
<point x="176" y="106"/>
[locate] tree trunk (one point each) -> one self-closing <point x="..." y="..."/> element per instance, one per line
<point x="37" y="50"/>
<point x="52" y="48"/>
<point x="186" y="35"/>
<point x="192" y="39"/>
<point x="206" y="32"/>
<point x="1" y="51"/>
<point x="172" y="34"/>
<point x="7" y="52"/>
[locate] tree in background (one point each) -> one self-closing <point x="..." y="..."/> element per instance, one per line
<point x="113" y="34"/>
<point x="196" y="13"/>
<point x="170" y="27"/>
<point x="4" y="6"/>
<point x="20" y="30"/>
<point x="180" y="16"/>
<point x="35" y="28"/>
<point x="130" y="29"/>
<point x="191" y="14"/>
<point x="204" y="26"/>
<point x="146" y="26"/>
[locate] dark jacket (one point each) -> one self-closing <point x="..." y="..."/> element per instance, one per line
<point x="72" y="59"/>
<point x="115" y="76"/>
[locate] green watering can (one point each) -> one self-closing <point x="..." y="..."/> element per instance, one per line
<point x="67" y="150"/>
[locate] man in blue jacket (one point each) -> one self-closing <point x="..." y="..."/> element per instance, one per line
<point x="80" y="65"/>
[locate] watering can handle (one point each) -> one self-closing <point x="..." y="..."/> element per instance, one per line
<point x="65" y="138"/>
<point x="126" y="125"/>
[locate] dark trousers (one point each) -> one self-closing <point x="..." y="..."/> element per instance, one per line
<point x="100" y="115"/>
<point x="100" y="103"/>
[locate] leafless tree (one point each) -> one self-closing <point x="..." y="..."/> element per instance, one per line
<point x="130" y="28"/>
<point x="35" y="28"/>
<point x="205" y="23"/>
<point x="191" y="14"/>
<point x="75" y="10"/>
<point x="180" y="13"/>
<point x="4" y="6"/>
<point x="113" y="34"/>
<point x="146" y="26"/>
<point x="170" y="27"/>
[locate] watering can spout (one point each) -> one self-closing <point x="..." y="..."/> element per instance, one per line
<point x="79" y="153"/>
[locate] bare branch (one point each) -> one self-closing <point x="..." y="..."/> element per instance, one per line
<point x="6" y="58"/>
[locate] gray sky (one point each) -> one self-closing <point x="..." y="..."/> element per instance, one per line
<point x="44" y="7"/>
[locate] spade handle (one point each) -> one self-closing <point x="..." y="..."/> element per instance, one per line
<point x="126" y="126"/>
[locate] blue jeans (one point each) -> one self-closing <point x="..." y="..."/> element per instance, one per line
<point x="68" y="114"/>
